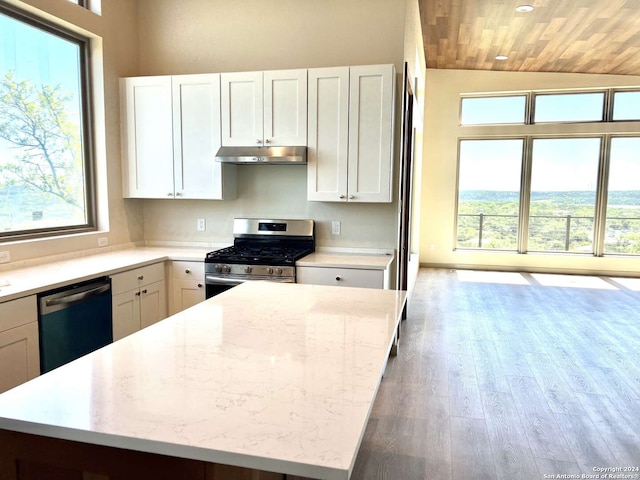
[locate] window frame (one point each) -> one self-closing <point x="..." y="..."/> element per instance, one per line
<point x="613" y="103"/>
<point x="87" y="148"/>
<point x="506" y="95"/>
<point x="604" y="112"/>
<point x="525" y="146"/>
<point x="601" y="200"/>
<point x="607" y="129"/>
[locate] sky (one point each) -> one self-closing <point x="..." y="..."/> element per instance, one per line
<point x="40" y="57"/>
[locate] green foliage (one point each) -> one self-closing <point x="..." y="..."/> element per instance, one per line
<point x="45" y="143"/>
<point x="559" y="221"/>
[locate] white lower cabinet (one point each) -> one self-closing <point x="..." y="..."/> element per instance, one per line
<point x="187" y="285"/>
<point x="345" y="277"/>
<point x="139" y="299"/>
<point x="19" y="347"/>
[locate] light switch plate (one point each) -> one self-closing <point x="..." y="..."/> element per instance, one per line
<point x="5" y="257"/>
<point x="335" y="227"/>
<point x="201" y="225"/>
<point x="103" y="241"/>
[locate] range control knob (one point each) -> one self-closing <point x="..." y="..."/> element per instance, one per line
<point x="278" y="271"/>
<point x="218" y="268"/>
<point x="226" y="268"/>
<point x="270" y="270"/>
<point x="247" y="269"/>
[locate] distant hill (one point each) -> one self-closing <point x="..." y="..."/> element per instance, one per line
<point x="622" y="197"/>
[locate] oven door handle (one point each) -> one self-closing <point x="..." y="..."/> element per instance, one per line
<point x="213" y="280"/>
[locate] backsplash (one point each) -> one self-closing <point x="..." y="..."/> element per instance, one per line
<point x="271" y="191"/>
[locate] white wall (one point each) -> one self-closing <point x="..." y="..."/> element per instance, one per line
<point x="197" y="36"/>
<point x="416" y="66"/>
<point x="443" y="89"/>
<point x="149" y="37"/>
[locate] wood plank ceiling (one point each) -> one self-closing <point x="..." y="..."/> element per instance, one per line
<point x="583" y="36"/>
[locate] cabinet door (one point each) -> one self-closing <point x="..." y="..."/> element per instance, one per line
<point x="187" y="293"/>
<point x="196" y="129"/>
<point x="147" y="137"/>
<point x="19" y="346"/>
<point x="153" y="303"/>
<point x="241" y="109"/>
<point x="371" y="110"/>
<point x="285" y="107"/>
<point x="19" y="355"/>
<point x="327" y="150"/>
<point x="187" y="285"/>
<point x="126" y="313"/>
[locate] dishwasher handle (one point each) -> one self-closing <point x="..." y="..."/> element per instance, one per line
<point x="77" y="297"/>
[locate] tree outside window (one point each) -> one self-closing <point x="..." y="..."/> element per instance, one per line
<point x="44" y="183"/>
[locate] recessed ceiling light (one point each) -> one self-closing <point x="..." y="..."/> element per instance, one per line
<point x="524" y="8"/>
<point x="501" y="57"/>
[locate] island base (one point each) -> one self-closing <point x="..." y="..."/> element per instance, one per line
<point x="32" y="457"/>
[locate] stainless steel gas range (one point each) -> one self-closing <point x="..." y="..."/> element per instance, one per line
<point x="263" y="249"/>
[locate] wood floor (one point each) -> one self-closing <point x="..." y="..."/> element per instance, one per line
<point x="510" y="376"/>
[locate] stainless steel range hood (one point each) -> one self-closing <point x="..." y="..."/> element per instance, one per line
<point x="262" y="155"/>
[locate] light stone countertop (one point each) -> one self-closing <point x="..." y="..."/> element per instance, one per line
<point x="49" y="275"/>
<point x="277" y="377"/>
<point x="345" y="260"/>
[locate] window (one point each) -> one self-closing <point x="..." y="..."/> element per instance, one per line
<point x="626" y="106"/>
<point x="622" y="234"/>
<point x="493" y="110"/>
<point x="562" y="202"/>
<point x="45" y="162"/>
<point x="570" y="107"/>
<point x="556" y="189"/>
<point x="489" y="193"/>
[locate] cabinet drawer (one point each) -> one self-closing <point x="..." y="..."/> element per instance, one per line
<point x="18" y="312"/>
<point x="187" y="270"/>
<point x="121" y="282"/>
<point x="346" y="277"/>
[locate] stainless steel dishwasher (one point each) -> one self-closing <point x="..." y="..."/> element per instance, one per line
<point x="73" y="321"/>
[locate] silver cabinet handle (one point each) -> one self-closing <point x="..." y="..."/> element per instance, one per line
<point x="266" y="140"/>
<point x="352" y="197"/>
<point x="169" y="194"/>
<point x="258" y="141"/>
<point x="178" y="194"/>
<point x="341" y="196"/>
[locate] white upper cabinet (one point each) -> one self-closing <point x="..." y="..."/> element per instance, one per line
<point x="241" y="105"/>
<point x="350" y="148"/>
<point x="171" y="135"/>
<point x="371" y="110"/>
<point x="147" y="131"/>
<point x="264" y="108"/>
<point x="328" y="145"/>
<point x="196" y="131"/>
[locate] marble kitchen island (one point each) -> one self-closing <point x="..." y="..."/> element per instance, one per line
<point x="266" y="377"/>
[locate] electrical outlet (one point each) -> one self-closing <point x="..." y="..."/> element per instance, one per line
<point x="5" y="257"/>
<point x="335" y="227"/>
<point x="201" y="225"/>
<point x="103" y="241"/>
